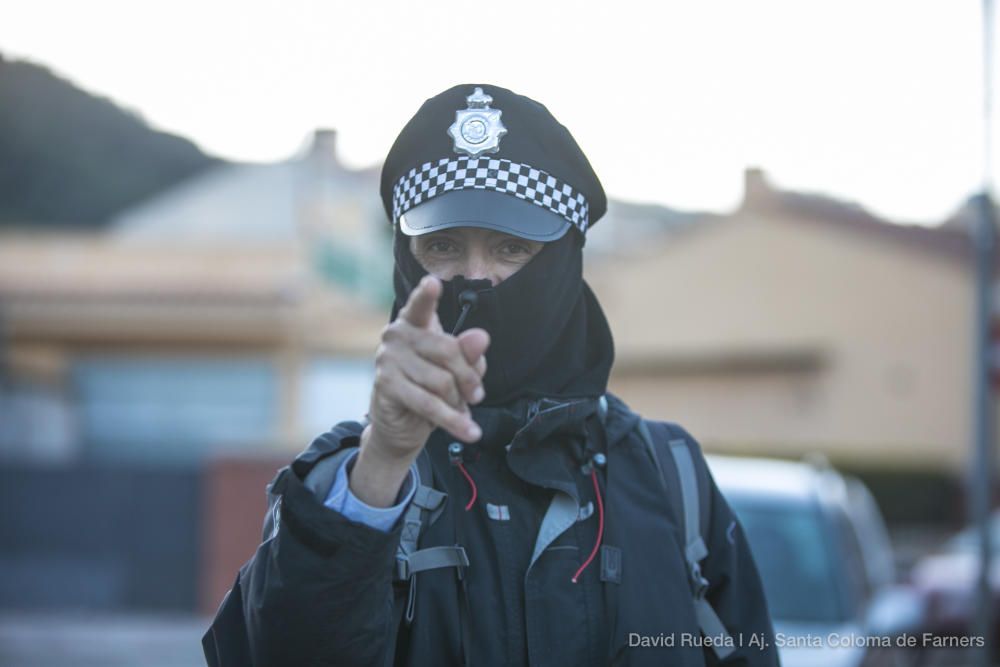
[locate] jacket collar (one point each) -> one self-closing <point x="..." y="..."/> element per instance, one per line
<point x="546" y="440"/>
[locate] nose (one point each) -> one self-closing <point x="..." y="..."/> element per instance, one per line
<point x="479" y="266"/>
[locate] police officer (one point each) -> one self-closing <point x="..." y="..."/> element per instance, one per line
<point x="497" y="505"/>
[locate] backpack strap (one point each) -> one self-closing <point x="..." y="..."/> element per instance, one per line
<point x="423" y="510"/>
<point x="425" y="507"/>
<point x="695" y="501"/>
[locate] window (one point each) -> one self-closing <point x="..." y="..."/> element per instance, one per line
<point x="174" y="408"/>
<point x="335" y="390"/>
<point x="792" y="551"/>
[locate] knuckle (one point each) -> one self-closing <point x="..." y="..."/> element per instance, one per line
<point x="469" y="376"/>
<point x="444" y="348"/>
<point x="383" y="355"/>
<point x="429" y="345"/>
<point x="425" y="404"/>
<point x="380" y="379"/>
<point x="442" y="384"/>
<point x="463" y="382"/>
<point x="391" y="332"/>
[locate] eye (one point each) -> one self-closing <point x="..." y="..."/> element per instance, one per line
<point x="440" y="246"/>
<point x="515" y="249"/>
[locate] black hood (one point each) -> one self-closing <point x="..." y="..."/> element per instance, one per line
<point x="548" y="335"/>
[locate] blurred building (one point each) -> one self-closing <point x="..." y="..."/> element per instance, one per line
<point x="797" y="324"/>
<point x="233" y="316"/>
<point x="238" y="311"/>
<point x="156" y="374"/>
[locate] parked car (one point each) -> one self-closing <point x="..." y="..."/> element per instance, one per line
<point x="825" y="561"/>
<point x="947" y="578"/>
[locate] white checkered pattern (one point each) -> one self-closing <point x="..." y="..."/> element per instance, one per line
<point x="512" y="178"/>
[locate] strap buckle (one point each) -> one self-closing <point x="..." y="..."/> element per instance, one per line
<point x="402" y="567"/>
<point x="698" y="581"/>
<point x="431" y="558"/>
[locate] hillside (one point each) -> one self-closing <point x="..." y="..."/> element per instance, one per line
<point x="71" y="159"/>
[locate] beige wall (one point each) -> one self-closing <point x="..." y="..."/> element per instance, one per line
<point x="94" y="290"/>
<point x="886" y="325"/>
<point x="64" y="297"/>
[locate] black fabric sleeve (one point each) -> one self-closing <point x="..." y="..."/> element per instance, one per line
<point x="318" y="591"/>
<point x="735" y="590"/>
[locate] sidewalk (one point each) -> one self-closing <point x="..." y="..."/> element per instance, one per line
<point x="35" y="639"/>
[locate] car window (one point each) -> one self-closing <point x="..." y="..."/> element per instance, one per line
<point x="869" y="530"/>
<point x="853" y="566"/>
<point x="791" y="546"/>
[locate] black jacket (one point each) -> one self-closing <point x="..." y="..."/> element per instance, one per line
<point x="320" y="591"/>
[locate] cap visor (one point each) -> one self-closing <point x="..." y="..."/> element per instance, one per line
<point x="484" y="208"/>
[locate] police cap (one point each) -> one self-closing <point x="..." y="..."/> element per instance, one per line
<point x="482" y="156"/>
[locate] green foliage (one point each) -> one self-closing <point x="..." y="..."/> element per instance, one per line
<point x="70" y="159"/>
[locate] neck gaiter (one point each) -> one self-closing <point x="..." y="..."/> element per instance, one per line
<point x="548" y="335"/>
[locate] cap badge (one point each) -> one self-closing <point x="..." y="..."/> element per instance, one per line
<point x="477" y="129"/>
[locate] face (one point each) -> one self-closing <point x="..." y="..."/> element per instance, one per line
<point x="473" y="252"/>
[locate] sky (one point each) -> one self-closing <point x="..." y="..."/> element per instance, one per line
<point x="879" y="102"/>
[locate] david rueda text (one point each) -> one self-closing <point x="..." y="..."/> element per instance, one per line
<point x="664" y="640"/>
<point x="782" y="640"/>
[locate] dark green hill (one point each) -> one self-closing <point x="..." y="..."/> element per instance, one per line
<point x="70" y="159"/>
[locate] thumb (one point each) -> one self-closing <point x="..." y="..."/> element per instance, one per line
<point x="473" y="343"/>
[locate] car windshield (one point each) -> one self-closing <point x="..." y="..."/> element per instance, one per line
<point x="793" y="554"/>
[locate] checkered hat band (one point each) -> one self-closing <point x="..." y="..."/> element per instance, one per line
<point x="512" y="178"/>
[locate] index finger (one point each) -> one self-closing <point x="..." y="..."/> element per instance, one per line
<point x="422" y="303"/>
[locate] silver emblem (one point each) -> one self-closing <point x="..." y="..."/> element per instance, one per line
<point x="478" y="129"/>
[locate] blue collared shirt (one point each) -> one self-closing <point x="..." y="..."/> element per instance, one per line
<point x="341" y="499"/>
